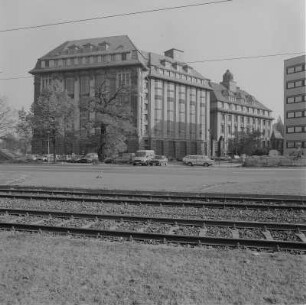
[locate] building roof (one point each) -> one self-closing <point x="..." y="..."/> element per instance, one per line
<point x="92" y="46"/>
<point x="276" y="134"/>
<point x="242" y="97"/>
<point x="157" y="59"/>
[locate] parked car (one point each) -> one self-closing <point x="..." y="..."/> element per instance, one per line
<point x="124" y="158"/>
<point x="198" y="160"/>
<point x="89" y="158"/>
<point x="143" y="157"/>
<point x="159" y="160"/>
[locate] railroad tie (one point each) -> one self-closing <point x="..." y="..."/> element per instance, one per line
<point x="301" y="236"/>
<point x="173" y="229"/>
<point x="90" y="224"/>
<point x="38" y="222"/>
<point x="235" y="233"/>
<point x="65" y="222"/>
<point x="203" y="232"/>
<point x="267" y="235"/>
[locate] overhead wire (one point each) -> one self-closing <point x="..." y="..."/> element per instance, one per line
<point x="113" y="16"/>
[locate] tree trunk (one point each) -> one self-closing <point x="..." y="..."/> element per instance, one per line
<point x="102" y="142"/>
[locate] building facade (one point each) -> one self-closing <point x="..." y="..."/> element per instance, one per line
<point x="169" y="99"/>
<point x="232" y="111"/>
<point x="294" y="104"/>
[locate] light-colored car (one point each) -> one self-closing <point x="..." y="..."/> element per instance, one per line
<point x="198" y="160"/>
<point x="143" y="157"/>
<point x="159" y="160"/>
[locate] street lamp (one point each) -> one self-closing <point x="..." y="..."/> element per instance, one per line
<point x="48" y="133"/>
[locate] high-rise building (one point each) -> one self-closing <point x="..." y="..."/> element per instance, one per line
<point x="233" y="110"/>
<point x="294" y="104"/>
<point x="170" y="100"/>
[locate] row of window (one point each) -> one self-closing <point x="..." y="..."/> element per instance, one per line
<point x="296" y="99"/>
<point x="182" y="76"/>
<point x="296" y="69"/>
<point x="296" y="83"/>
<point x="84" y="60"/>
<point x="296" y="144"/>
<point x="296" y="129"/>
<point x="236" y="107"/>
<point x="296" y="114"/>
<point x="245" y="119"/>
<point x="232" y="130"/>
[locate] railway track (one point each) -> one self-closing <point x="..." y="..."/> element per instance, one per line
<point x="262" y="235"/>
<point x="154" y="199"/>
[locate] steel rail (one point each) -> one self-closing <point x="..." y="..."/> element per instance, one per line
<point x="196" y="204"/>
<point x="156" y="194"/>
<point x="165" y="220"/>
<point x="170" y="238"/>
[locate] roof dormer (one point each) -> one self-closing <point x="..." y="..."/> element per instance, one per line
<point x="187" y="68"/>
<point x="103" y="46"/>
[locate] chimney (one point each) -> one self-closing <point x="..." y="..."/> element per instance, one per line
<point x="174" y="54"/>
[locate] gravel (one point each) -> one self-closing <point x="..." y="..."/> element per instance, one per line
<point x="288" y="216"/>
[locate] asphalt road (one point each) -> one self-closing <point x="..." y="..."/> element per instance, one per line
<point x="220" y="178"/>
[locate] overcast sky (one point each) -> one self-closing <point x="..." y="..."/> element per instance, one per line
<point x="231" y="29"/>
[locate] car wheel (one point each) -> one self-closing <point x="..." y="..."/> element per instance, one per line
<point x="205" y="164"/>
<point x="189" y="164"/>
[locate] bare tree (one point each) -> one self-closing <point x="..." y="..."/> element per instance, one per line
<point x="7" y="119"/>
<point x="53" y="113"/>
<point x="24" y="128"/>
<point x="112" y="120"/>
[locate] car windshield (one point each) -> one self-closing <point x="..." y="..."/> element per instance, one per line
<point x="159" y="157"/>
<point x="140" y="154"/>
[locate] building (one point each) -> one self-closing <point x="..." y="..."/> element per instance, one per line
<point x="234" y="110"/>
<point x="294" y="104"/>
<point x="170" y="100"/>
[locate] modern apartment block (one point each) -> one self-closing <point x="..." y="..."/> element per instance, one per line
<point x="169" y="99"/>
<point x="294" y="104"/>
<point x="234" y="110"/>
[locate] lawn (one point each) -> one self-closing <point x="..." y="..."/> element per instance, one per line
<point x="44" y="269"/>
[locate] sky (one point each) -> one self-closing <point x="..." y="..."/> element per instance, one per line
<point x="236" y="28"/>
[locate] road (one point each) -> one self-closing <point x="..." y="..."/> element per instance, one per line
<point x="175" y="177"/>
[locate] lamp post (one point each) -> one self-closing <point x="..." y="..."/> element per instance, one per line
<point x="48" y="133"/>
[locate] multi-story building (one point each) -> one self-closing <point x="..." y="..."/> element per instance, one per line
<point x="169" y="99"/>
<point x="294" y="104"/>
<point x="234" y="110"/>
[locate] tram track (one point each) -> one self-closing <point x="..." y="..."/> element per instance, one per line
<point x="167" y="230"/>
<point x="153" y="199"/>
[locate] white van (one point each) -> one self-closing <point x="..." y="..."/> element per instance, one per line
<point x="198" y="160"/>
<point x="143" y="157"/>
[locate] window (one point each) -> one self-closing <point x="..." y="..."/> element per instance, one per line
<point x="298" y="129"/>
<point x="295" y="84"/>
<point x="222" y="128"/>
<point x="113" y="57"/>
<point x="69" y="86"/>
<point x="295" y="69"/>
<point x="296" y="99"/>
<point x="290" y="144"/>
<point x="84" y="85"/>
<point x="51" y="63"/>
<point x="123" y="79"/>
<point x="298" y="114"/>
<point x="229" y="129"/>
<point x="42" y="63"/>
<point x="123" y="56"/>
<point x="290" y="129"/>
<point x="290" y="115"/>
